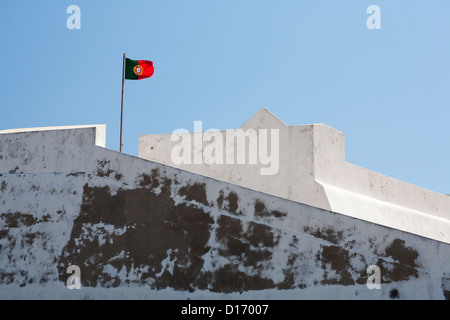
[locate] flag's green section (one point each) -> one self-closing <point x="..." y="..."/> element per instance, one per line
<point x="129" y="65"/>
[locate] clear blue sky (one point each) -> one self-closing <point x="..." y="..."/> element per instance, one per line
<point x="308" y="62"/>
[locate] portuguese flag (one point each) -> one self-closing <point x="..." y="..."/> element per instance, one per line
<point x="138" y="69"/>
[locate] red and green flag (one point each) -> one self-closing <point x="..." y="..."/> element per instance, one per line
<point x="133" y="70"/>
<point x="138" y="69"/>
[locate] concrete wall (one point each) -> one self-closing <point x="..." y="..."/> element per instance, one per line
<point x="143" y="230"/>
<point x="313" y="171"/>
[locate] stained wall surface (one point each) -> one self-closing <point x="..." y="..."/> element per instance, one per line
<point x="143" y="230"/>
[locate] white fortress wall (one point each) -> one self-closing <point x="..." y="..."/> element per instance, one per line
<point x="313" y="170"/>
<point x="139" y="229"/>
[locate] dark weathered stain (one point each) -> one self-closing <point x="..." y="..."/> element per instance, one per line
<point x="446" y="294"/>
<point x="260" y="235"/>
<point x="339" y="260"/>
<point x="230" y="279"/>
<point x="394" y="294"/>
<point x="103" y="163"/>
<point x="14" y="170"/>
<point x="404" y="265"/>
<point x="290" y="272"/>
<point x="26" y="241"/>
<point x="99" y="206"/>
<point x="104" y="173"/>
<point x="28" y="238"/>
<point x="155" y="178"/>
<point x="294" y="242"/>
<point x="220" y="199"/>
<point x="153" y="229"/>
<point x="196" y="192"/>
<point x="3" y="186"/>
<point x="6" y="277"/>
<point x="402" y="254"/>
<point x="229" y="233"/>
<point x="261" y="211"/>
<point x="150" y="181"/>
<point x="60" y="214"/>
<point x="328" y="234"/>
<point x="145" y="181"/>
<point x="392" y="272"/>
<point x="446" y="286"/>
<point x="75" y="174"/>
<point x="3" y="233"/>
<point x="166" y="186"/>
<point x="250" y="247"/>
<point x="289" y="280"/>
<point x="260" y="207"/>
<point x="101" y="171"/>
<point x="232" y="200"/>
<point x="17" y="219"/>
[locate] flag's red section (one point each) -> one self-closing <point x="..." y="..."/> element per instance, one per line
<point x="147" y="69"/>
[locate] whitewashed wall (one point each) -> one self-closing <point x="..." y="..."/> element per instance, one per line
<point x="313" y="171"/>
<point x="142" y="230"/>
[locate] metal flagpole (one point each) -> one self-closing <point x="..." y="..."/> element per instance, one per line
<point x="121" y="104"/>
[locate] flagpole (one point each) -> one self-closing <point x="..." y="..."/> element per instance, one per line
<point x="121" y="104"/>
